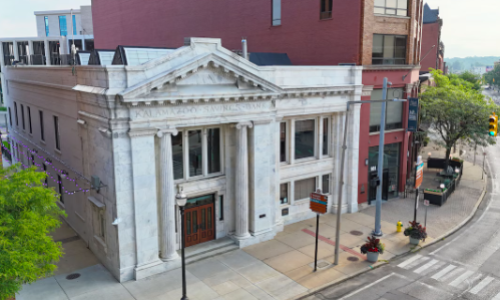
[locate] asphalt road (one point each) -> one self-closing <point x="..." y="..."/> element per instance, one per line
<point x="466" y="265"/>
<point x="494" y="94"/>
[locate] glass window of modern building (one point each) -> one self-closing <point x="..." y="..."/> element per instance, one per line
<point x="63" y="26"/>
<point x="304" y="139"/>
<point x="46" y="20"/>
<point x="390" y="180"/>
<point x="394" y="110"/>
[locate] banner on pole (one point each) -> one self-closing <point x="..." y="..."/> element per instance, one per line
<point x="420" y="175"/>
<point x="413" y="114"/>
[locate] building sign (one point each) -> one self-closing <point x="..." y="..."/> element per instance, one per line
<point x="318" y="203"/>
<point x="413" y="115"/>
<point x="489" y="68"/>
<point x="420" y="175"/>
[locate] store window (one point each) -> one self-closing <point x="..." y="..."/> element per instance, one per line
<point x="394" y="110"/>
<point x="391" y="7"/>
<point x="389" y="49"/>
<point x="304" y="139"/>
<point x="304" y="188"/>
<point x="390" y="181"/>
<point x="284" y="193"/>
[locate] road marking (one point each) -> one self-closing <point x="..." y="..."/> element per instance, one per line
<point x="481" y="285"/>
<point x="497" y="297"/>
<point x="372" y="284"/>
<point x="426" y="266"/>
<point x="461" y="278"/>
<point x="443" y="272"/>
<point x="452" y="274"/>
<point x="409" y="261"/>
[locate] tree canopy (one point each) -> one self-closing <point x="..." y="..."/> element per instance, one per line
<point x="495" y="74"/>
<point x="28" y="213"/>
<point x="457" y="111"/>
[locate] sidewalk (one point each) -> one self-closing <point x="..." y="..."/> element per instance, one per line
<point x="276" y="269"/>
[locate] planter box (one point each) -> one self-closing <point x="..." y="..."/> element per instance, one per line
<point x="436" y="163"/>
<point x="436" y="198"/>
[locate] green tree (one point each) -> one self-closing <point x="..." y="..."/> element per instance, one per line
<point x="494" y="74"/>
<point x="28" y="213"/>
<point x="457" y="111"/>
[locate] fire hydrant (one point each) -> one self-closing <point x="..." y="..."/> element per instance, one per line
<point x="399" y="226"/>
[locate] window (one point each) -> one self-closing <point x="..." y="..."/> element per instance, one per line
<point x="304" y="188"/>
<point x="63" y="26"/>
<point x="213" y="148"/>
<point x="32" y="160"/>
<point x="10" y="117"/>
<point x="325" y="136"/>
<point x="326" y="9"/>
<point x="221" y="207"/>
<point x="389" y="49"/>
<point x="394" y="110"/>
<point x="391" y="7"/>
<point x="102" y="224"/>
<point x="304" y="139"/>
<point x="15" y="111"/>
<point x="56" y="132"/>
<point x="325" y="184"/>
<point x="74" y="24"/>
<point x="283" y="142"/>
<point x="177" y="156"/>
<point x="29" y="119"/>
<point x="284" y="193"/>
<point x="22" y="116"/>
<point x="276" y="12"/>
<point x="42" y="135"/>
<point x="60" y="188"/>
<point x="195" y="155"/>
<point x="46" y="20"/>
<point x="46" y="176"/>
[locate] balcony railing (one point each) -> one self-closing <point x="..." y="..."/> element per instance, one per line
<point x="62" y="59"/>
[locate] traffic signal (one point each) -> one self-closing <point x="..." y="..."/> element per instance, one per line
<point x="493" y="125"/>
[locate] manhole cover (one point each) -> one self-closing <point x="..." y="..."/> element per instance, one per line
<point x="357" y="233"/>
<point x="322" y="264"/>
<point x="72" y="276"/>
<point x="352" y="258"/>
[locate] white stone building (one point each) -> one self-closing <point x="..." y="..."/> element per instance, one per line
<point x="248" y="144"/>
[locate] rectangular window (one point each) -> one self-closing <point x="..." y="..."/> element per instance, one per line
<point x="213" y="149"/>
<point x="304" y="188"/>
<point x="284" y="193"/>
<point x="42" y="134"/>
<point x="74" y="24"/>
<point x="15" y="112"/>
<point x="56" y="132"/>
<point x="195" y="153"/>
<point x="63" y="26"/>
<point x="46" y="21"/>
<point x="32" y="160"/>
<point x="29" y="119"/>
<point x="60" y="188"/>
<point x="10" y="117"/>
<point x="22" y="116"/>
<point x="102" y="224"/>
<point x="221" y="207"/>
<point x="283" y="142"/>
<point x="389" y="49"/>
<point x="304" y="139"/>
<point x="325" y="184"/>
<point x="391" y="7"/>
<point x="325" y="135"/>
<point x="326" y="9"/>
<point x="276" y="12"/>
<point x="394" y="110"/>
<point x="46" y="176"/>
<point x="178" y="158"/>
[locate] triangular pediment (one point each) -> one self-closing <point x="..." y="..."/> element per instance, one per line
<point x="211" y="77"/>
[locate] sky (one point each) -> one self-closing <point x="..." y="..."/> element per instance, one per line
<point x="469" y="27"/>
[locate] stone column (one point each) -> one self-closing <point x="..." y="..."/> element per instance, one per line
<point x="242" y="190"/>
<point x="167" y="197"/>
<point x="16" y="50"/>
<point x="83" y="45"/>
<point x="47" y="52"/>
<point x="2" y="62"/>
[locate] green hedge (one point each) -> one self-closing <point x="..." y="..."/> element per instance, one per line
<point x="3" y="108"/>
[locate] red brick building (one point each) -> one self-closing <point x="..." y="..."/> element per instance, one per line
<point x="382" y="35"/>
<point x="431" y="35"/>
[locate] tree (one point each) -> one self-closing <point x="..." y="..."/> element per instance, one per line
<point x="494" y="74"/>
<point x="28" y="212"/>
<point x="457" y="111"/>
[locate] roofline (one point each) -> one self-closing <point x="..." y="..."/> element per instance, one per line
<point x="57" y="12"/>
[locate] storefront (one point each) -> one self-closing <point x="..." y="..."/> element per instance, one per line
<point x="390" y="180"/>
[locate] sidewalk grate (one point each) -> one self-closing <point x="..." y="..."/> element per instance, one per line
<point x="72" y="276"/>
<point x="356" y="233"/>
<point x="352" y="258"/>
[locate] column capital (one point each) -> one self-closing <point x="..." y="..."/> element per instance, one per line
<point x="162" y="131"/>
<point x="142" y="132"/>
<point x="240" y="125"/>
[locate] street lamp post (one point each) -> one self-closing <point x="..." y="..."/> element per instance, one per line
<point x="181" y="200"/>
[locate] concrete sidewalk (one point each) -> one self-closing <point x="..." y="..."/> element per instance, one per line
<point x="277" y="269"/>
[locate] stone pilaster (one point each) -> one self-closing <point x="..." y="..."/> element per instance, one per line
<point x="242" y="185"/>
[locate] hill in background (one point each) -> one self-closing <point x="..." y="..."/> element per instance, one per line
<point x="467" y="63"/>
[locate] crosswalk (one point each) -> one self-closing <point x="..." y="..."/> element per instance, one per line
<point x="454" y="275"/>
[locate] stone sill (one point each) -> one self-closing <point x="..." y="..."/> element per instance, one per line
<point x="391" y="67"/>
<point x="392" y="16"/>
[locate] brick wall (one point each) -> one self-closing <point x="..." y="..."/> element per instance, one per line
<point x="307" y="39"/>
<point x="430" y="36"/>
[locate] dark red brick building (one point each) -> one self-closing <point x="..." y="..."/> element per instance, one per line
<point x="431" y="35"/>
<point x="382" y="35"/>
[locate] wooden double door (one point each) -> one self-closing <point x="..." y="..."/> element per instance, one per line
<point x="199" y="223"/>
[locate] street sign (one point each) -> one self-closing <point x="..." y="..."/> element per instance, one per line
<point x="420" y="175"/>
<point x="426" y="202"/>
<point x="413" y="114"/>
<point x="319" y="203"/>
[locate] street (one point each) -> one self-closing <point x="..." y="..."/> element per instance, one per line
<point x="466" y="265"/>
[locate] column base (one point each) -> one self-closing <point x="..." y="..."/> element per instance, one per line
<point x="156" y="267"/>
<point x="254" y="239"/>
<point x="171" y="257"/>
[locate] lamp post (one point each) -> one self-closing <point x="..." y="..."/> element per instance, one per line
<point x="181" y="200"/>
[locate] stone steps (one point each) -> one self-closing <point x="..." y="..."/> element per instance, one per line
<point x="209" y="249"/>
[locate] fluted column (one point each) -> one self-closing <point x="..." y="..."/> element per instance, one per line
<point x="242" y="177"/>
<point x="167" y="197"/>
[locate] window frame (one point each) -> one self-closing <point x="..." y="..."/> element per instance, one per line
<point x="29" y="119"/>
<point x="42" y="129"/>
<point x="57" y="137"/>
<point x="288" y="191"/>
<point x="387" y="128"/>
<point x="10" y="117"/>
<point x="393" y="58"/>
<point x="73" y="20"/>
<point x="325" y="14"/>
<point x="276" y="14"/>
<point x="15" y="112"/>
<point x="315" y="143"/>
<point x="65" y="26"/>
<point x="287" y="142"/>
<point x="46" y="21"/>
<point x="60" y="188"/>
<point x="396" y="9"/>
<point x="320" y="182"/>
<point x="295" y="185"/>
<point x="22" y="117"/>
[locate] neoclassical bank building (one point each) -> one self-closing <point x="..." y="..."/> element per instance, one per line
<point x="246" y="143"/>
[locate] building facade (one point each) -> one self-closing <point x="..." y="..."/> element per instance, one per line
<point x="431" y="36"/>
<point x="246" y="143"/>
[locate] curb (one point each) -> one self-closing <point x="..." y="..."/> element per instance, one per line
<point x="416" y="249"/>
